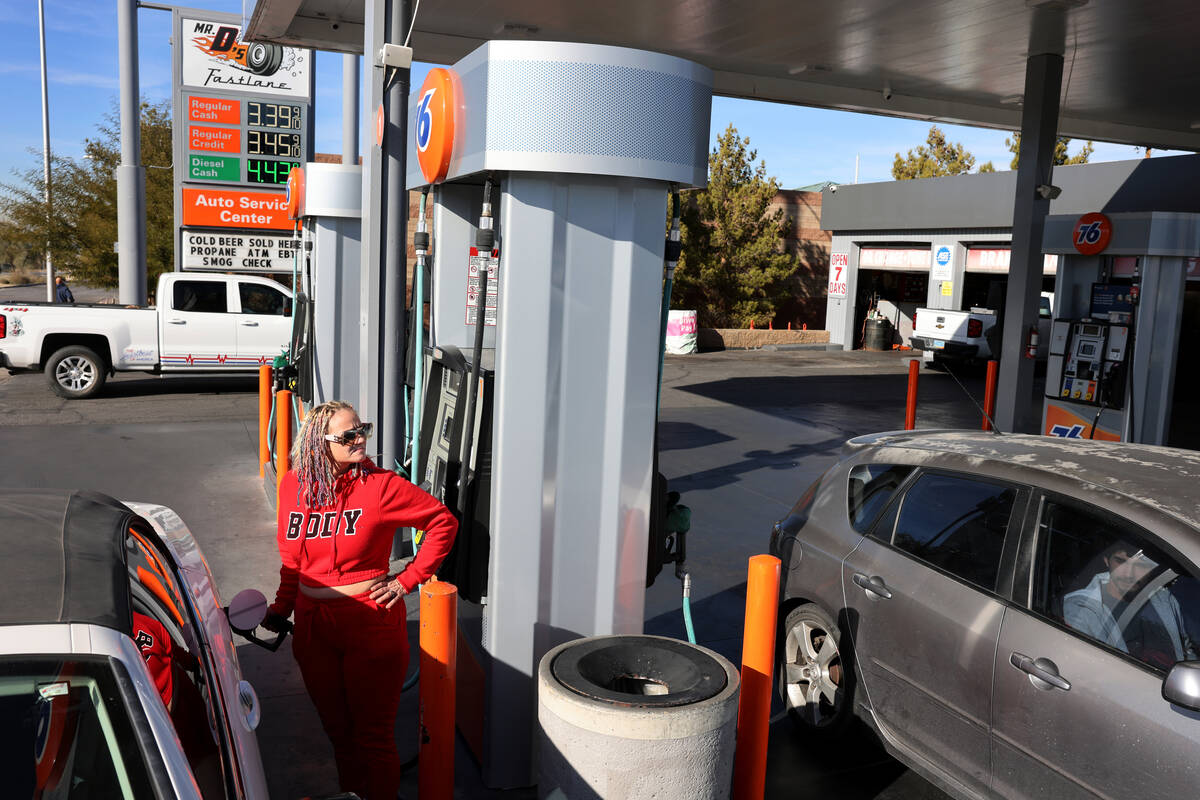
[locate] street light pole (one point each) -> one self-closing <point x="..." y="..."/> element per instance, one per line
<point x="46" y="150"/>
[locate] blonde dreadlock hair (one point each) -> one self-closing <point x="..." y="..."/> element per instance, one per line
<point x="310" y="456"/>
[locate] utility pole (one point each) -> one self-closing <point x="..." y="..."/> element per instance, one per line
<point x="46" y="151"/>
<point x="131" y="176"/>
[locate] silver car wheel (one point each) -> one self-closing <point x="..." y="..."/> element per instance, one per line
<point x="75" y="373"/>
<point x="813" y="672"/>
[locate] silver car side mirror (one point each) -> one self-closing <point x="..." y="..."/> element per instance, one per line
<point x="1182" y="685"/>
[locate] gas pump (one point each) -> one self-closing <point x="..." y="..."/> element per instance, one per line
<point x="549" y="166"/>
<point x="1120" y="290"/>
<point x="1085" y="375"/>
<point x="326" y="200"/>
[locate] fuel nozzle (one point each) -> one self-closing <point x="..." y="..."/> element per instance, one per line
<point x="674" y="246"/>
<point x="421" y="236"/>
<point x="485" y="237"/>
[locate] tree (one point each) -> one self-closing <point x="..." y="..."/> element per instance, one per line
<point x="82" y="225"/>
<point x="1061" y="155"/>
<point x="935" y="158"/>
<point x="733" y="268"/>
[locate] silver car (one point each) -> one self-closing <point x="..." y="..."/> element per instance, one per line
<point x="1015" y="616"/>
<point x="118" y="675"/>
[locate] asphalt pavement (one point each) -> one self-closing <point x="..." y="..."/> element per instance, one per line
<point x="741" y="435"/>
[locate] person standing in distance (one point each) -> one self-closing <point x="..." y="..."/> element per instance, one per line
<point x="63" y="292"/>
<point x="337" y="515"/>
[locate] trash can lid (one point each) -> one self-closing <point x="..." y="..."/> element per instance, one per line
<point x="639" y="671"/>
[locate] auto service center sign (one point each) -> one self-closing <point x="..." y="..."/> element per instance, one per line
<point x="839" y="265"/>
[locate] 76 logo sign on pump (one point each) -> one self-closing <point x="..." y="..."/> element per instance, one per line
<point x="1092" y="234"/>
<point x="839" y="265"/>
<point x="436" y="103"/>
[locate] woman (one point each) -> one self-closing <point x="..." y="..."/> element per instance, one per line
<point x="338" y="513"/>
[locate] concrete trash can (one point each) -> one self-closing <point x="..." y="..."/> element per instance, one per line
<point x="635" y="717"/>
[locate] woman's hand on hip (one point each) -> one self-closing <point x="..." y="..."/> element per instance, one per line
<point x="386" y="591"/>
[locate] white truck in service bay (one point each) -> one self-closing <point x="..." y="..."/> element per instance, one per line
<point x="944" y="334"/>
<point x="203" y="323"/>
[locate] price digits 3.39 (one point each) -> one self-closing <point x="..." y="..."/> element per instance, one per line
<point x="273" y="115"/>
<point x="261" y="171"/>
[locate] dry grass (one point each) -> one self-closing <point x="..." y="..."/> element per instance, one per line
<point x="19" y="278"/>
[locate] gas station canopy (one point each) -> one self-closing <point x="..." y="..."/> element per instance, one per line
<point x="1128" y="67"/>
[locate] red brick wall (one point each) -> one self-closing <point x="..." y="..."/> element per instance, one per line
<point x="811" y="244"/>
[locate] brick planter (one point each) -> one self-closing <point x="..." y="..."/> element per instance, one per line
<point x="745" y="339"/>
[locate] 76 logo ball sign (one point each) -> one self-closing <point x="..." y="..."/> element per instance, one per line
<point x="435" y="123"/>
<point x="1092" y="234"/>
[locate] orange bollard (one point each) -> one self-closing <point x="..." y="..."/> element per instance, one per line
<point x="771" y="324"/>
<point x="751" y="324"/>
<point x="283" y="437"/>
<point x="989" y="394"/>
<point x="789" y="326"/>
<point x="439" y="657"/>
<point x="264" y="417"/>
<point x="804" y="327"/>
<point x="910" y="409"/>
<point x="758" y="663"/>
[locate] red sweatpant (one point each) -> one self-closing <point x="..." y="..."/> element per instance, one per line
<point x="353" y="655"/>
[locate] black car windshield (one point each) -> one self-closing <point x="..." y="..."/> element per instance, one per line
<point x="64" y="731"/>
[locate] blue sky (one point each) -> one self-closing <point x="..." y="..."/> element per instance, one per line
<point x="799" y="145"/>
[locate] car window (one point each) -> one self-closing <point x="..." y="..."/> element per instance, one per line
<point x="956" y="524"/>
<point x="165" y="634"/>
<point x="870" y="487"/>
<point x="200" y="296"/>
<point x="67" y="732"/>
<point x="1044" y="307"/>
<point x="259" y="299"/>
<point x="1106" y="579"/>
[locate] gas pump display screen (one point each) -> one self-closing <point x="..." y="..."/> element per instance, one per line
<point x="1091" y="330"/>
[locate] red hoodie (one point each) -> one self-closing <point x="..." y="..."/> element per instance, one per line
<point x="351" y="540"/>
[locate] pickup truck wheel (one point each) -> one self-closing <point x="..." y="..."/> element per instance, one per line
<point x="76" y="372"/>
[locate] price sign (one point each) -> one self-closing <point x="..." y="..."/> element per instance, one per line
<point x="249" y="142"/>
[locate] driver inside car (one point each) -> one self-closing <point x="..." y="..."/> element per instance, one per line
<point x="1113" y="609"/>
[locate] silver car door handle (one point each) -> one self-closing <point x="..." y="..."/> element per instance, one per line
<point x="1040" y="669"/>
<point x="177" y="321"/>
<point x="873" y="584"/>
<point x="249" y="323"/>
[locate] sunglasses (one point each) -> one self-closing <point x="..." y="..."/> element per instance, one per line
<point x="351" y="435"/>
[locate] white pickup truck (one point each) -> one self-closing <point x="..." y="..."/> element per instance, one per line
<point x="943" y="334"/>
<point x="202" y="323"/>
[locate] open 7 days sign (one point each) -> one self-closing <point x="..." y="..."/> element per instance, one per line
<point x="839" y="265"/>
